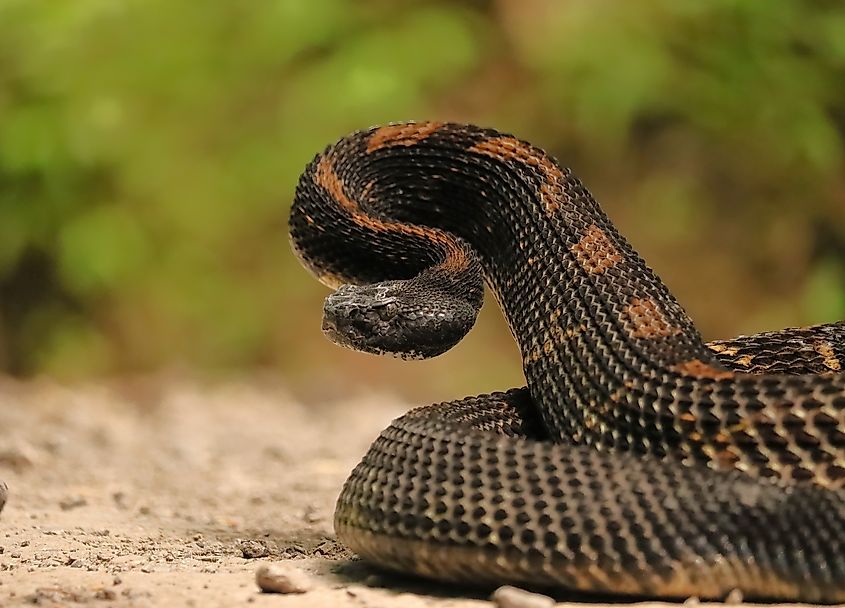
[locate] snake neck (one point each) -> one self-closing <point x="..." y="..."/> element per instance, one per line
<point x="589" y="316"/>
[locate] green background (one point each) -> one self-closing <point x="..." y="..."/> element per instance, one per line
<point x="149" y="150"/>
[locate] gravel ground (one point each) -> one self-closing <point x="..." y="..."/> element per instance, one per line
<point x="174" y="493"/>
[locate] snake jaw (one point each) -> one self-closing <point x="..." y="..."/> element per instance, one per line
<point x="382" y="319"/>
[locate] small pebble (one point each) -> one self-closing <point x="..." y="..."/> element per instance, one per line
<point x="374" y="580"/>
<point x="252" y="549"/>
<point x="274" y="578"/>
<point x="119" y="499"/>
<point x="734" y="597"/>
<point x="513" y="597"/>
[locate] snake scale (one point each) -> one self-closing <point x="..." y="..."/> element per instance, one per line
<point x="638" y="460"/>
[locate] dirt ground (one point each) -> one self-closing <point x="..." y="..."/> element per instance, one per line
<point x="173" y="493"/>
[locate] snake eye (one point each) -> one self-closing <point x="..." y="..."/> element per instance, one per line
<point x="388" y="310"/>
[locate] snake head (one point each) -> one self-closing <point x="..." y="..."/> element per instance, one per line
<point x="396" y="318"/>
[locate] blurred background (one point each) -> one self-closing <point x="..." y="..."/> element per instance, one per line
<point x="149" y="150"/>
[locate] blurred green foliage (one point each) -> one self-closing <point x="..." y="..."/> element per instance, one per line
<point x="149" y="150"/>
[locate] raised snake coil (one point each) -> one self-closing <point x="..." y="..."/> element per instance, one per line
<point x="638" y="460"/>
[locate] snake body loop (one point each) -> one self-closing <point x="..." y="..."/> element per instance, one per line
<point x="638" y="460"/>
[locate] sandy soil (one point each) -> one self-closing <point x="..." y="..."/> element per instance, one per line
<point x="173" y="493"/>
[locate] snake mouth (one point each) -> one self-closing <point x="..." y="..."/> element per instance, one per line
<point x="342" y="333"/>
<point x="354" y="330"/>
<point x="345" y="332"/>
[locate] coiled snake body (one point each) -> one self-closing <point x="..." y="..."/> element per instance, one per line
<point x="638" y="460"/>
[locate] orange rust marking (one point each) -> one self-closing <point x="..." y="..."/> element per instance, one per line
<point x="725" y="458"/>
<point x="368" y="189"/>
<point x="647" y="320"/>
<point x="721" y="349"/>
<point x="721" y="439"/>
<point x="700" y="369"/>
<point x="401" y="135"/>
<point x="557" y="336"/>
<point x="510" y="148"/>
<point x="326" y="178"/>
<point x="595" y="252"/>
<point x="533" y="355"/>
<point x="745" y="360"/>
<point x="825" y="349"/>
<point x="456" y="257"/>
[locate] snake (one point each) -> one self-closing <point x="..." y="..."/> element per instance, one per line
<point x="638" y="460"/>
